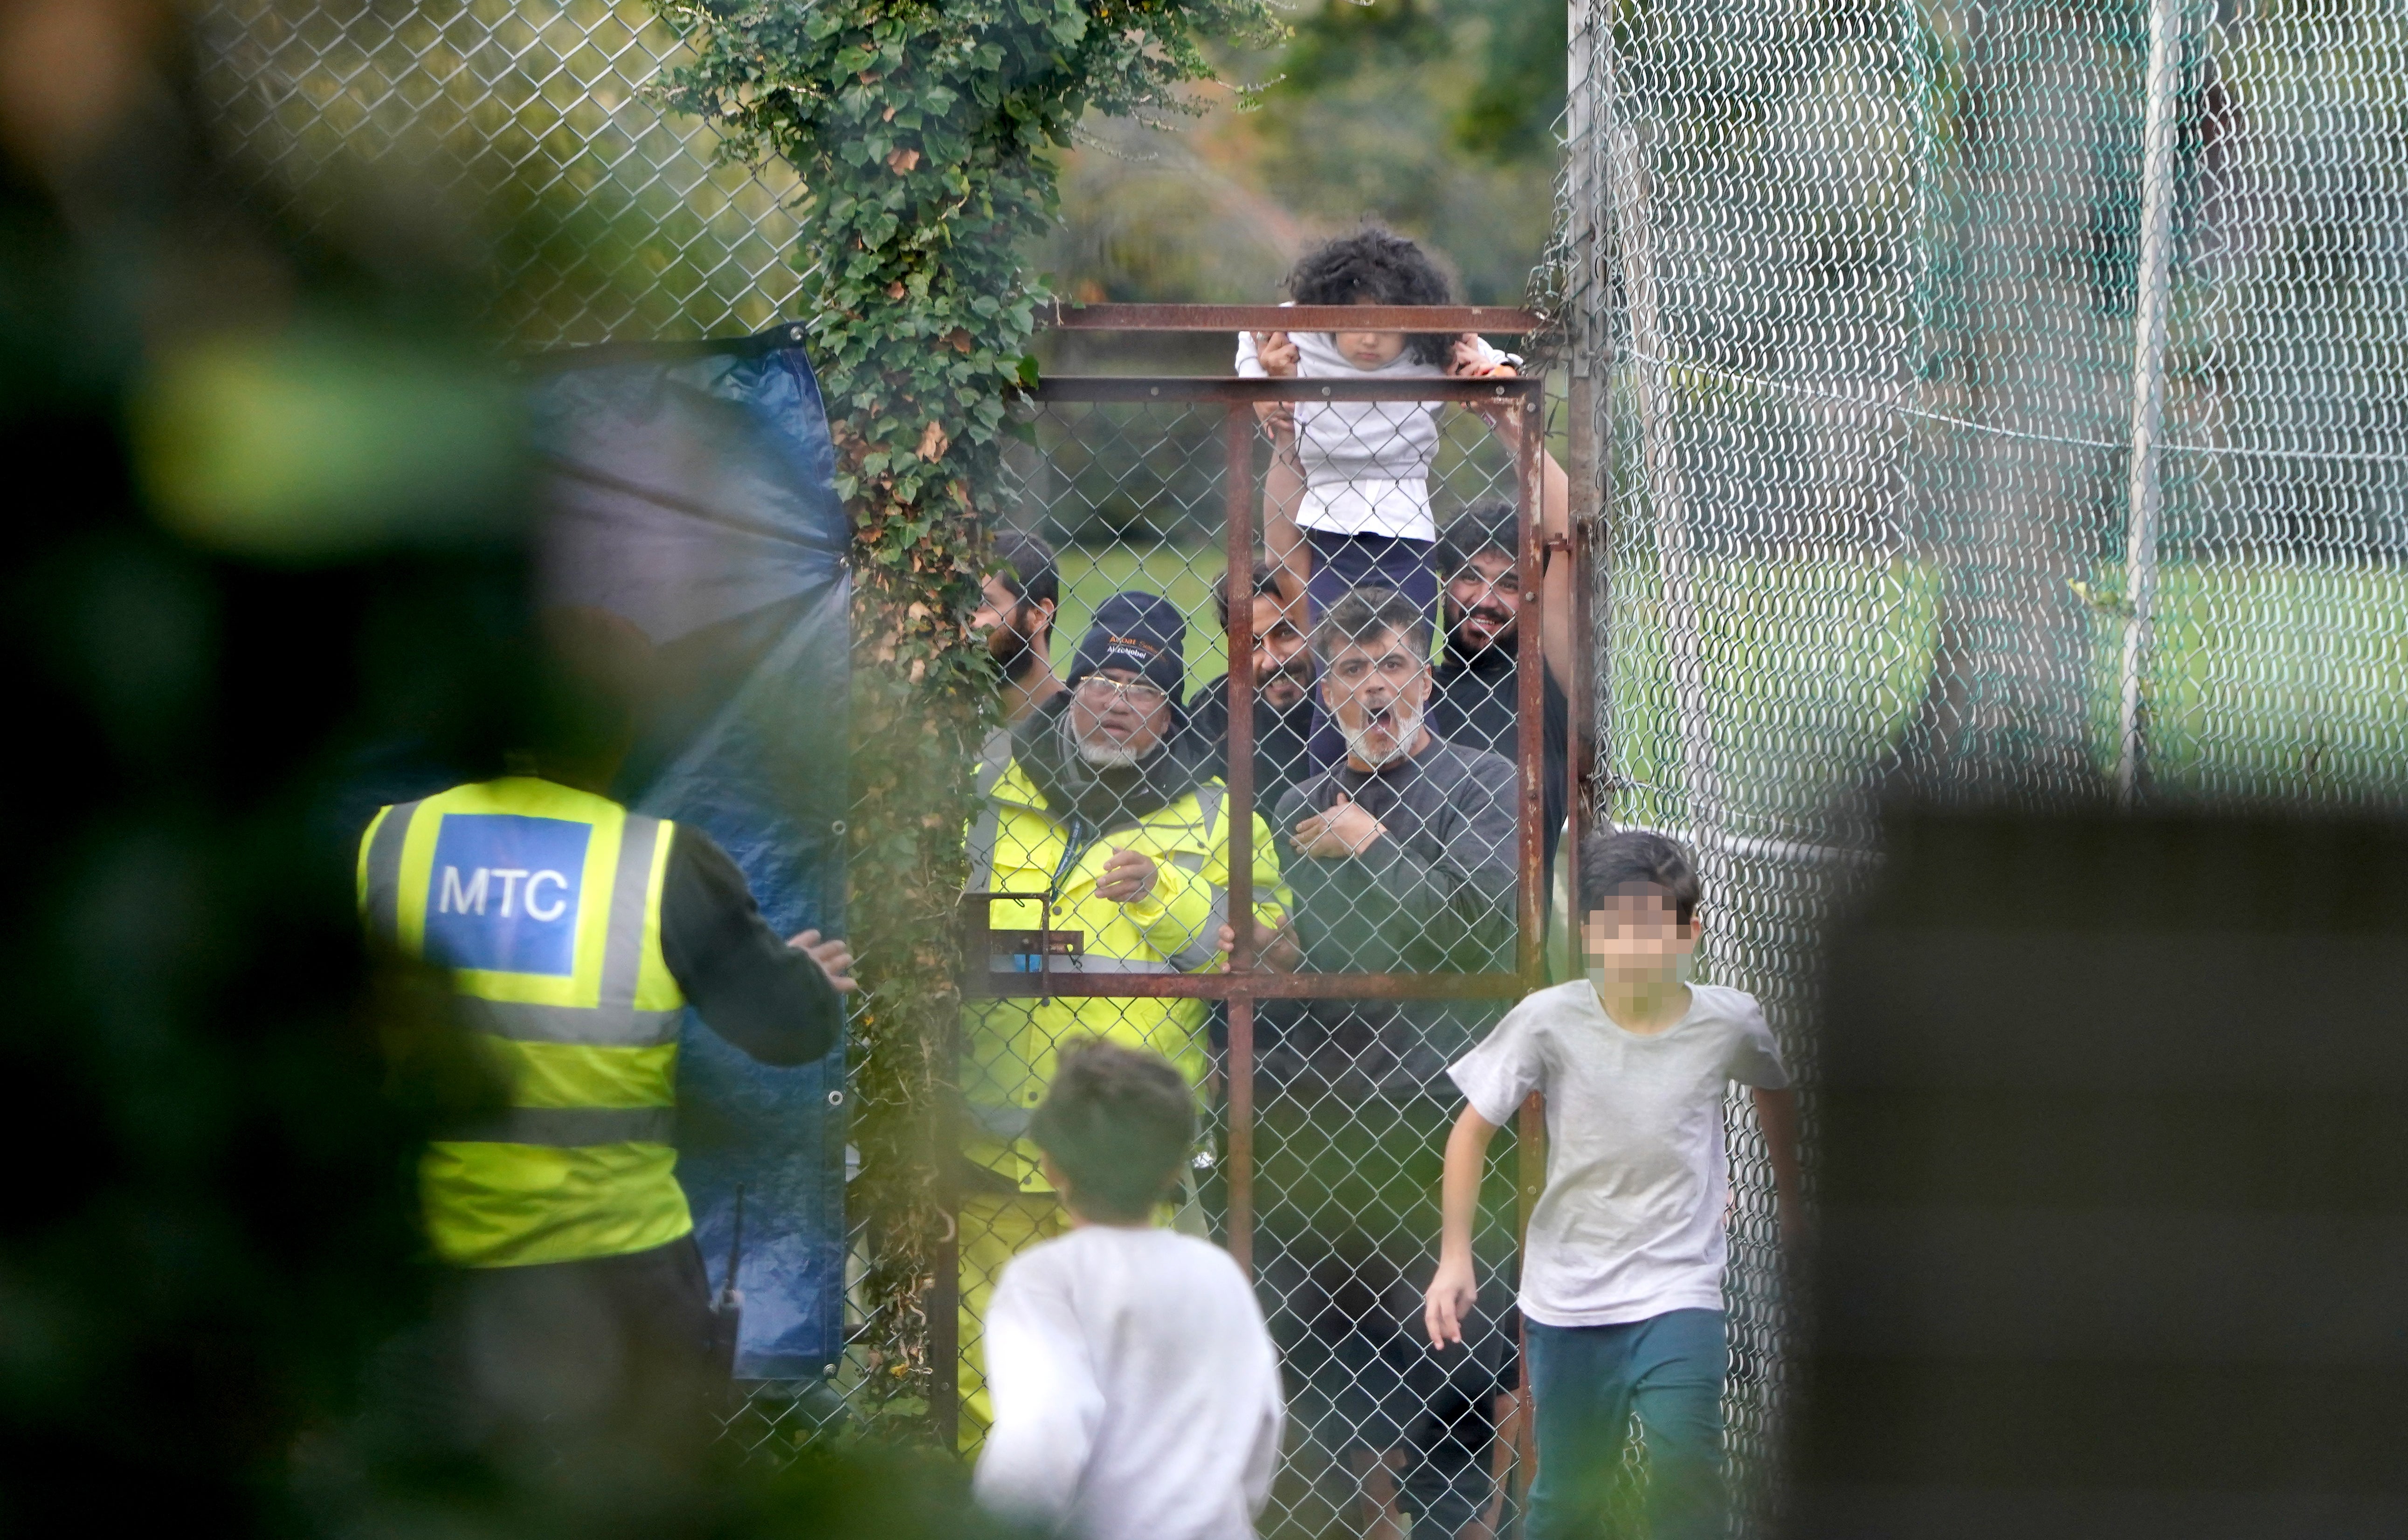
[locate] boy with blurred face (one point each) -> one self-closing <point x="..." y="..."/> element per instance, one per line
<point x="1401" y="860"/>
<point x="1622" y="1272"/>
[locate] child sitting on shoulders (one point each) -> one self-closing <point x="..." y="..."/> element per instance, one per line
<point x="1622" y="1271"/>
<point x="1362" y="515"/>
<point x="1137" y="1393"/>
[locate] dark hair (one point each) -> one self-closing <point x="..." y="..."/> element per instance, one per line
<point x="1381" y="266"/>
<point x="1117" y="1121"/>
<point x="1609" y="862"/>
<point x="1491" y="524"/>
<point x="1264" y="578"/>
<point x="1368" y="612"/>
<point x="1029" y="569"/>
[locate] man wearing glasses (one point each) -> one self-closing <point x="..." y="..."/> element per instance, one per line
<point x="1113" y="812"/>
<point x="1401" y="859"/>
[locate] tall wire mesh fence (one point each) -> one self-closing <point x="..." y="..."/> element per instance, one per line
<point x="2003" y="400"/>
<point x="1350" y="1107"/>
<point x="613" y="218"/>
<point x="1998" y="401"/>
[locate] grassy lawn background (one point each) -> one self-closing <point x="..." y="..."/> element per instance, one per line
<point x="2269" y="678"/>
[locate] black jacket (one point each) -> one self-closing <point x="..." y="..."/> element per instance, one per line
<point x="1473" y="702"/>
<point x="1435" y="894"/>
<point x="1282" y="756"/>
<point x="764" y="997"/>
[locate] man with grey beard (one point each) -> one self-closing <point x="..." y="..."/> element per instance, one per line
<point x="1401" y="856"/>
<point x="1401" y="860"/>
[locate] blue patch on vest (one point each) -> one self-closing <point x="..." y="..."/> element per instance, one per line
<point x="504" y="893"/>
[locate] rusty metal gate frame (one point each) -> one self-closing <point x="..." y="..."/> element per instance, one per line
<point x="1244" y="982"/>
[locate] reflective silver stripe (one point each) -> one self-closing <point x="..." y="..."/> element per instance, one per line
<point x="995" y="758"/>
<point x="622" y="947"/>
<point x="384" y="874"/>
<point x="1027" y="964"/>
<point x="569" y="1128"/>
<point x="521" y="1022"/>
<point x="1207" y="804"/>
<point x="982" y="833"/>
<point x="1204" y="950"/>
<point x="1001" y="1119"/>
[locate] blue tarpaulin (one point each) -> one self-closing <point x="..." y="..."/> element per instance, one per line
<point x="690" y="491"/>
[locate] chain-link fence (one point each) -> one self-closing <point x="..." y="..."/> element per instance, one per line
<point x="1994" y="399"/>
<point x="1333" y="1107"/>
<point x="1997" y="401"/>
<point x="610" y="217"/>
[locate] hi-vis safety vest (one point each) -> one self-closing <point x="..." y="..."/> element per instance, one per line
<point x="1018" y="846"/>
<point x="544" y="903"/>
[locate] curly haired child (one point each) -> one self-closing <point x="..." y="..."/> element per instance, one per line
<point x="1348" y="504"/>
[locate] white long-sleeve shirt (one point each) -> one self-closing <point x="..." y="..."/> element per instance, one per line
<point x="1366" y="464"/>
<point x="1136" y="1391"/>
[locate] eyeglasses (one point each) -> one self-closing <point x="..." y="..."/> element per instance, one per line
<point x="1099" y="692"/>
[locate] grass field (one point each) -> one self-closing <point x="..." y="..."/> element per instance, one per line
<point x="2269" y="679"/>
<point x="1182" y="574"/>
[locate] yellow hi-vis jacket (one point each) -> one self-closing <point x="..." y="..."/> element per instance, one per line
<point x="544" y="904"/>
<point x="1016" y="845"/>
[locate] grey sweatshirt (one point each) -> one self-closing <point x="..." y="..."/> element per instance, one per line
<point x="1434" y="895"/>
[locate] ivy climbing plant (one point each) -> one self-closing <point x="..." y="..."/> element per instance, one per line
<point x="923" y="133"/>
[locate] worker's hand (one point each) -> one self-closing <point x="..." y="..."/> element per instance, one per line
<point x="1470" y="358"/>
<point x="834" y="957"/>
<point x="1127" y="878"/>
<point x="1277" y="353"/>
<point x="1453" y="1295"/>
<point x="1345" y="830"/>
<point x="1278" y="949"/>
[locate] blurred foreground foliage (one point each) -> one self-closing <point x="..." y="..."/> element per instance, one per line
<point x="284" y="528"/>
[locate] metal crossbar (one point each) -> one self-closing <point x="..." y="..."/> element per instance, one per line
<point x="1156" y="433"/>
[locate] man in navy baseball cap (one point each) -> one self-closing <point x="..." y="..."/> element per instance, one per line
<point x="1136" y="637"/>
<point x="1111" y="811"/>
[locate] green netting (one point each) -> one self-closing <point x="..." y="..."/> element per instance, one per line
<point x="1948" y="437"/>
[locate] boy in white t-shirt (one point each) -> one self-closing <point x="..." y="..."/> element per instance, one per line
<point x="1136" y="1389"/>
<point x="1622" y="1271"/>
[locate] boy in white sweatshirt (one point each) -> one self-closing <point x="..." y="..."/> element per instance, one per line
<point x="1137" y="1394"/>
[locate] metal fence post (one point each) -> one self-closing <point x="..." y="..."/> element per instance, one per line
<point x="2144" y="495"/>
<point x="1237" y="584"/>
